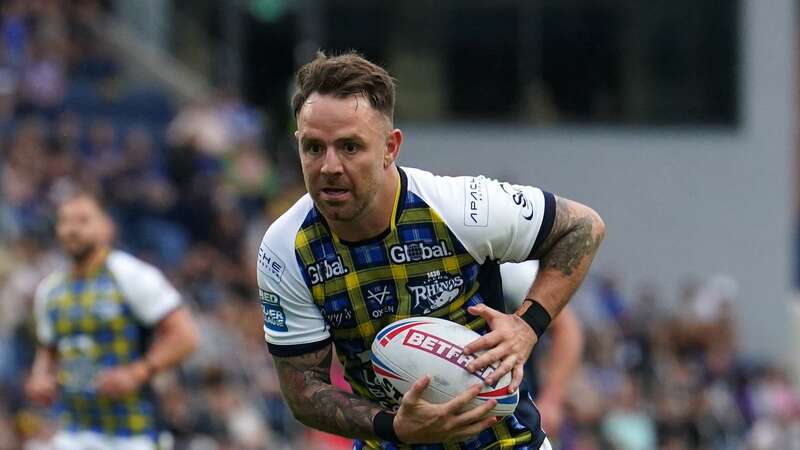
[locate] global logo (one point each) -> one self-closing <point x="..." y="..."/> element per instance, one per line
<point x="324" y="270"/>
<point x="439" y="289"/>
<point x="418" y="251"/>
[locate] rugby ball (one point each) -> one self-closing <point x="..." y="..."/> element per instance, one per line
<point x="406" y="350"/>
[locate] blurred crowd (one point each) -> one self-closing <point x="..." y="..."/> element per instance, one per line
<point x="193" y="190"/>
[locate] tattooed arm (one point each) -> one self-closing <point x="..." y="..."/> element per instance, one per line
<point x="306" y="385"/>
<point x="564" y="258"/>
<point x="314" y="401"/>
<point x="565" y="255"/>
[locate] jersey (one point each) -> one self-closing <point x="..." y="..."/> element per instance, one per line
<point x="517" y="282"/>
<point x="100" y="321"/>
<point x="439" y="256"/>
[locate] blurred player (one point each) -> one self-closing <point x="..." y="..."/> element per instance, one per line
<point x="374" y="242"/>
<point x="563" y="357"/>
<point x="106" y="325"/>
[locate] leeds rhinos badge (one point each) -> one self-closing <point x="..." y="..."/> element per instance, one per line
<point x="437" y="290"/>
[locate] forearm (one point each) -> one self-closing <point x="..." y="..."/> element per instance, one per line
<point x="176" y="338"/>
<point x="314" y="401"/>
<point x="566" y="256"/>
<point x="45" y="362"/>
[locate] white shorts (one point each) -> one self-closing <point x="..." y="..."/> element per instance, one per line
<point x="89" y="440"/>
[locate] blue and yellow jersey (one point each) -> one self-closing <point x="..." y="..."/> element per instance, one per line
<point x="439" y="256"/>
<point x="99" y="321"/>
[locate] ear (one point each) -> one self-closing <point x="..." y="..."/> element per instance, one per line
<point x="393" y="141"/>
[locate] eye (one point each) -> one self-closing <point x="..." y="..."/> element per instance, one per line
<point x="313" y="148"/>
<point x="350" y="147"/>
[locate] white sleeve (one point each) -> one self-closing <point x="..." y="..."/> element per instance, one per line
<point x="517" y="281"/>
<point x="44" y="328"/>
<point x="293" y="324"/>
<point x="145" y="289"/>
<point x="493" y="219"/>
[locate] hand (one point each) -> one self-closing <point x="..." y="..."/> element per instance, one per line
<point x="419" y="422"/>
<point x="42" y="389"/>
<point x="510" y="342"/>
<point x="122" y="380"/>
<point x="551" y="410"/>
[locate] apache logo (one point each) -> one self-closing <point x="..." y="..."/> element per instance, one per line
<point x="418" y="251"/>
<point x="476" y="203"/>
<point x="323" y="270"/>
<point x="438" y="290"/>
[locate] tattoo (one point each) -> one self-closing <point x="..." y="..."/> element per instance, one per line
<point x="572" y="238"/>
<point x="306" y="386"/>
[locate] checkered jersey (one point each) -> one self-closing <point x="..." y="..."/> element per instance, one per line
<point x="97" y="322"/>
<point x="434" y="260"/>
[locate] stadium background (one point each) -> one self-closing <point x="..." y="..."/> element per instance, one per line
<point x="676" y="120"/>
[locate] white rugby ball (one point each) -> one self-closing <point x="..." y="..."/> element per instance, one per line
<point x="406" y="350"/>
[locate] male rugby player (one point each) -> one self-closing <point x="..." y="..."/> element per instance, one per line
<point x="373" y="242"/>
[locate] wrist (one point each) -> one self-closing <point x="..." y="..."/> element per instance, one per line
<point x="536" y="316"/>
<point x="143" y="370"/>
<point x="383" y="426"/>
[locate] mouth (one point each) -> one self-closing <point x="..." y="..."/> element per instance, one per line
<point x="331" y="193"/>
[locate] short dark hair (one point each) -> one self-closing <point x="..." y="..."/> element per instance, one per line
<point x="342" y="76"/>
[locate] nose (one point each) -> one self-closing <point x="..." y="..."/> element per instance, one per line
<point x="331" y="163"/>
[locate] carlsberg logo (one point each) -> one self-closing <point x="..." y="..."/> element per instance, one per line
<point x="418" y="251"/>
<point x="324" y="270"/>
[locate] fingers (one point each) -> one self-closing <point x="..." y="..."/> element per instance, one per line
<point x="414" y="394"/>
<point x="506" y="366"/>
<point x="484" y="342"/>
<point x="456" y="404"/>
<point x="483" y="311"/>
<point x="470" y="416"/>
<point x="486" y="359"/>
<point x="516" y="376"/>
<point x="475" y="428"/>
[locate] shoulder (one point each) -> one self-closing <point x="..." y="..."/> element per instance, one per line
<point x="49" y="284"/>
<point x="125" y="266"/>
<point x="277" y="246"/>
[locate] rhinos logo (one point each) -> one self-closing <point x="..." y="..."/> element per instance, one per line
<point x="439" y="289"/>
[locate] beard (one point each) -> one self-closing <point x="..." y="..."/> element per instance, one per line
<point x="81" y="253"/>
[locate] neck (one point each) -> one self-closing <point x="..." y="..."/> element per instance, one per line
<point x="92" y="261"/>
<point x="378" y="216"/>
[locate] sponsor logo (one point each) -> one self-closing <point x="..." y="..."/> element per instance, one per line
<point x="519" y="199"/>
<point x="380" y="301"/>
<point x="476" y="203"/>
<point x="274" y="317"/>
<point x="439" y="289"/>
<point x="445" y="350"/>
<point x="336" y="318"/>
<point x="269" y="264"/>
<point x="418" y="251"/>
<point x="324" y="270"/>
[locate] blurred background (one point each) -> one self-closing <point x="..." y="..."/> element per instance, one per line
<point x="675" y="119"/>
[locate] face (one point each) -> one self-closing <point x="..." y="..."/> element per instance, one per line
<point x="346" y="148"/>
<point x="82" y="227"/>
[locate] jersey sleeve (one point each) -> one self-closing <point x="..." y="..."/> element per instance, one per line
<point x="496" y="220"/>
<point x="293" y="324"/>
<point x="517" y="281"/>
<point x="145" y="288"/>
<point x="44" y="328"/>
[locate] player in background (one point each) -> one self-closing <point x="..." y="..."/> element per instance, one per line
<point x="563" y="357"/>
<point x="106" y="325"/>
<point x="373" y="242"/>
